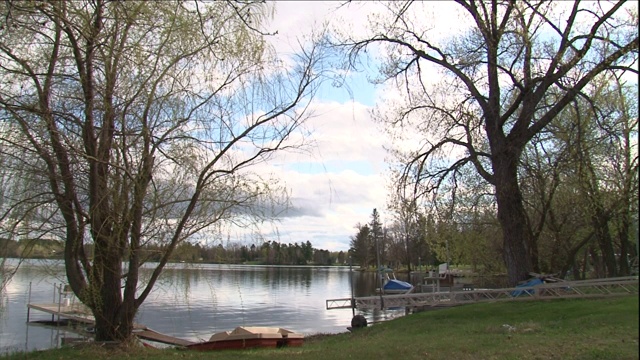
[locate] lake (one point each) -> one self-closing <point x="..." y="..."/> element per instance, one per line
<point x="193" y="301"/>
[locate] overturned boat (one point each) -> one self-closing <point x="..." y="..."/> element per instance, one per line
<point x="244" y="337"/>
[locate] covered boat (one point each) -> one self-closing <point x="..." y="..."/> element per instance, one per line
<point x="393" y="285"/>
<point x="397" y="286"/>
<point x="529" y="284"/>
<point x="250" y="337"/>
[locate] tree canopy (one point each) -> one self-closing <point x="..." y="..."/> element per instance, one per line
<point x="500" y="82"/>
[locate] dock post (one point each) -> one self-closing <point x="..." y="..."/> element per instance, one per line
<point x="29" y="302"/>
<point x="54" y="301"/>
<point x="59" y="301"/>
<point x="353" y="301"/>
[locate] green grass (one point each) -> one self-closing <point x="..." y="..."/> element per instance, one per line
<point x="558" y="329"/>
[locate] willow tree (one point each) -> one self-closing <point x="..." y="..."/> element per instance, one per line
<point x="476" y="97"/>
<point x="144" y="120"/>
<point x="15" y="215"/>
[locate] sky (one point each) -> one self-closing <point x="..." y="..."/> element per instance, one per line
<point x="341" y="178"/>
<point x="344" y="177"/>
<point x="336" y="184"/>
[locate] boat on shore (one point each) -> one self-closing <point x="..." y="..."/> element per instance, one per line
<point x="244" y="337"/>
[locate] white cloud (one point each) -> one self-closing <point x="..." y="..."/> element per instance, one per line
<point x="338" y="181"/>
<point x="294" y="20"/>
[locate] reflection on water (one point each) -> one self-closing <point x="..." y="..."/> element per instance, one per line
<point x="195" y="301"/>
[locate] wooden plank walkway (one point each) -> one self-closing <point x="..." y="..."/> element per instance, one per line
<point x="75" y="311"/>
<point x="565" y="289"/>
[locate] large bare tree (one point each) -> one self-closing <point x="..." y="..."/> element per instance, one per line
<point x="141" y="120"/>
<point x="479" y="96"/>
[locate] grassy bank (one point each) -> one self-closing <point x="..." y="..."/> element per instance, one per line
<point x="558" y="329"/>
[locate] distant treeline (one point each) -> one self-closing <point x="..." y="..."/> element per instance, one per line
<point x="31" y="248"/>
<point x="267" y="253"/>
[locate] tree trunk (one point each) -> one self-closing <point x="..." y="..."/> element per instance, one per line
<point x="408" y="253"/>
<point x="571" y="261"/>
<point x="585" y="263"/>
<point x="625" y="269"/>
<point x="534" y="255"/>
<point x="596" y="262"/>
<point x="605" y="242"/>
<point x="114" y="315"/>
<point x="512" y="218"/>
<point x="575" y="270"/>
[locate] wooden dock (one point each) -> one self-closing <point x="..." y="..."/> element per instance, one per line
<point x="76" y="311"/>
<point x="565" y="289"/>
<point x="80" y="313"/>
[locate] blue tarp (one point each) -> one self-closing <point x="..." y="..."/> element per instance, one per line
<point x="530" y="283"/>
<point x="397" y="285"/>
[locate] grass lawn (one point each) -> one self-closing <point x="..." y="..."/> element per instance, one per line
<point x="554" y="329"/>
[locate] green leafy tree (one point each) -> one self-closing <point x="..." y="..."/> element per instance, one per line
<point x="142" y="120"/>
<point x="592" y="189"/>
<point x="361" y="246"/>
<point x="405" y="230"/>
<point x="307" y="251"/>
<point x="378" y="238"/>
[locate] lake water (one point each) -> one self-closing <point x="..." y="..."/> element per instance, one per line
<point x="195" y="301"/>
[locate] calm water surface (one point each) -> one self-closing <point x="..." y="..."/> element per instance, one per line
<point x="195" y="301"/>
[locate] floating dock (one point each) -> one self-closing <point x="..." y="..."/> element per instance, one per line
<point x="67" y="308"/>
<point x="76" y="311"/>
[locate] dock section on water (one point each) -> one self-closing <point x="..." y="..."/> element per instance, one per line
<point x="68" y="308"/>
<point x="64" y="306"/>
<point x="558" y="290"/>
<point x="77" y="312"/>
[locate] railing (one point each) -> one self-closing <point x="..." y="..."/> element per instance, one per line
<point x="565" y="289"/>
